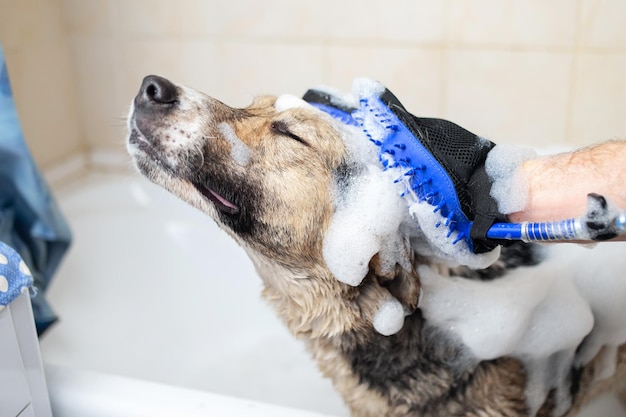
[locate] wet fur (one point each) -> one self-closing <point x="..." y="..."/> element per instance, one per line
<point x="285" y="197"/>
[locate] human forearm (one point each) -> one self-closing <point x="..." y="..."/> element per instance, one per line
<point x="558" y="185"/>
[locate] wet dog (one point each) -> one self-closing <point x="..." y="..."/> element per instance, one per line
<point x="271" y="175"/>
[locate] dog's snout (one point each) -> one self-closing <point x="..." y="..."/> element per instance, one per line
<point x="156" y="90"/>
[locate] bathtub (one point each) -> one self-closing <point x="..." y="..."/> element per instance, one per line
<point x="160" y="314"/>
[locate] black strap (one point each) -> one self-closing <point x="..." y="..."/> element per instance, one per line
<point x="485" y="209"/>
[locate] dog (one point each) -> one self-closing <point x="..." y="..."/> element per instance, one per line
<point x="271" y="176"/>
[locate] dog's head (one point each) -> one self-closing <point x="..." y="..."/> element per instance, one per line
<point x="275" y="175"/>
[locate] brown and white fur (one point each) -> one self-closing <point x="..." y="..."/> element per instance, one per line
<point x="267" y="178"/>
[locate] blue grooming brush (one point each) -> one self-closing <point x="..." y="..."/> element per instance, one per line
<point x="425" y="179"/>
<point x="426" y="182"/>
<point x="399" y="149"/>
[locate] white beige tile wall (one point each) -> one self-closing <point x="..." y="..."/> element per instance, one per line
<point x="518" y="71"/>
<point x="41" y="71"/>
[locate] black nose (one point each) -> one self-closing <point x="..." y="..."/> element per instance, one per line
<point x="156" y="90"/>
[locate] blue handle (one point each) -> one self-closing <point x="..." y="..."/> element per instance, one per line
<point x="560" y="230"/>
<point x="569" y="229"/>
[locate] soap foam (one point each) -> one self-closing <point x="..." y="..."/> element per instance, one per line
<point x="369" y="212"/>
<point x="509" y="188"/>
<point x="538" y="314"/>
<point x="366" y="87"/>
<point x="239" y="151"/>
<point x="289" y="101"/>
<point x="366" y="221"/>
<point x="389" y="318"/>
<point x="435" y="242"/>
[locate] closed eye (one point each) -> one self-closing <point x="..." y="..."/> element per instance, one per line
<point x="281" y="128"/>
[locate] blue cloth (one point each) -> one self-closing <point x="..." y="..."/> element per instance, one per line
<point x="30" y="220"/>
<point x="14" y="275"/>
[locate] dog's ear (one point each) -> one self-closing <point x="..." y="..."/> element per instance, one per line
<point x="402" y="281"/>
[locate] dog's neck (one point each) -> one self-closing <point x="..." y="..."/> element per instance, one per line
<point x="310" y="302"/>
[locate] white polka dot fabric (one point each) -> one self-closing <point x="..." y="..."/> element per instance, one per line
<point x="14" y="275"/>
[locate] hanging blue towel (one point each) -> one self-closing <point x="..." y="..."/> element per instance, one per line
<point x="30" y="220"/>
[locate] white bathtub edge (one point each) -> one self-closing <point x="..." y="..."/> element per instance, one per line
<point x="77" y="393"/>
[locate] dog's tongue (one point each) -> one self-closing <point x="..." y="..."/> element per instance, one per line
<point x="221" y="202"/>
<point x="230" y="206"/>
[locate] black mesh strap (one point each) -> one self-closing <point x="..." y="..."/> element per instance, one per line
<point x="485" y="210"/>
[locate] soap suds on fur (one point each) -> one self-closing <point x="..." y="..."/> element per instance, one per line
<point x="434" y="241"/>
<point x="289" y="101"/>
<point x="366" y="220"/>
<point x="238" y="150"/>
<point x="539" y="315"/>
<point x="389" y="318"/>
